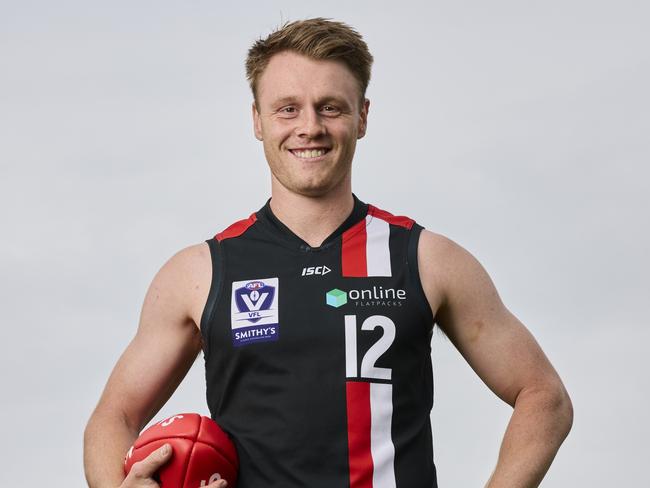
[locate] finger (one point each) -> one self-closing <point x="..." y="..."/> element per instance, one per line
<point x="149" y="465"/>
<point x="218" y="484"/>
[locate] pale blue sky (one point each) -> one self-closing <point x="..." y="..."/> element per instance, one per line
<point x="518" y="130"/>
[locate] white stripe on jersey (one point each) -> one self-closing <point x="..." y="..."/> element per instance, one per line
<point x="381" y="442"/>
<point x="377" y="246"/>
<point x="350" y="346"/>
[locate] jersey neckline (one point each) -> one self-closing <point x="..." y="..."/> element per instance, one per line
<point x="266" y="217"/>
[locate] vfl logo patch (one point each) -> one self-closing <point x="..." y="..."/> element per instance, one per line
<point x="254" y="311"/>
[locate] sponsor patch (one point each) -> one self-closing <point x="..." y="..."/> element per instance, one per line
<point x="254" y="311"/>
<point x="377" y="296"/>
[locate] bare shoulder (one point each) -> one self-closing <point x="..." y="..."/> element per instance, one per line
<point x="442" y="264"/>
<point x="185" y="280"/>
<point x="189" y="259"/>
<point x="455" y="280"/>
<point x="440" y="256"/>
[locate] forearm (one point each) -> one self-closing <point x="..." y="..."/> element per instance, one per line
<point x="106" y="439"/>
<point x="540" y="422"/>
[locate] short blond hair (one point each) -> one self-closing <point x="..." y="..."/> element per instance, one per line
<point x="317" y="38"/>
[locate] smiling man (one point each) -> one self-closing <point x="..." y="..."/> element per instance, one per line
<point x="315" y="313"/>
<point x="323" y="97"/>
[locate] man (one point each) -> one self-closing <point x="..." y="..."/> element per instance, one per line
<point x="315" y="314"/>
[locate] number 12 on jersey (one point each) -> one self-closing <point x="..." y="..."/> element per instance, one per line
<point x="368" y="368"/>
<point x="371" y="452"/>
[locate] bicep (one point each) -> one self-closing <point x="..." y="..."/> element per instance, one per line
<point x="497" y="346"/>
<point x="164" y="348"/>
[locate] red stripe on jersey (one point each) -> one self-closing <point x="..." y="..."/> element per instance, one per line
<point x="237" y="229"/>
<point x="359" y="453"/>
<point x="353" y="251"/>
<point x="402" y="221"/>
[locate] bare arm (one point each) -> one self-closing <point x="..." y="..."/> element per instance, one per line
<point x="152" y="366"/>
<point x="505" y="356"/>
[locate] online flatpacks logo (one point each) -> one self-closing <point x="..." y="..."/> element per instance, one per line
<point x="336" y="298"/>
<point x="377" y="296"/>
<point x="254" y="311"/>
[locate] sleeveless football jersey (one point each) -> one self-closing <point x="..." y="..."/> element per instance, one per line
<point x="318" y="358"/>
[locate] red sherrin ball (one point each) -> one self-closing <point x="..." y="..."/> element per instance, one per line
<point x="202" y="452"/>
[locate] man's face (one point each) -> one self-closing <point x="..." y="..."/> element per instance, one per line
<point x="309" y="120"/>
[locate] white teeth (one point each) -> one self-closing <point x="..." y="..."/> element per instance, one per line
<point x="314" y="153"/>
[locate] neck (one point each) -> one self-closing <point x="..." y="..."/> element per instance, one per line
<point x="312" y="219"/>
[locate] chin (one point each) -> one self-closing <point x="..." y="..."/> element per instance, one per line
<point x="313" y="190"/>
<point x="315" y="185"/>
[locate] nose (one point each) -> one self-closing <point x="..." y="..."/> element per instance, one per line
<point x="310" y="124"/>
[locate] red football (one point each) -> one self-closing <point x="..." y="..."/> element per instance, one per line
<point x="201" y="452"/>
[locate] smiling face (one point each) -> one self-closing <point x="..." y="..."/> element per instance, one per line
<point x="309" y="119"/>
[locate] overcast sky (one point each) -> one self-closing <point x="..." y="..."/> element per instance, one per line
<point x="518" y="129"/>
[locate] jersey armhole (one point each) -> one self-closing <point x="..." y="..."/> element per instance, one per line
<point x="213" y="294"/>
<point x="414" y="271"/>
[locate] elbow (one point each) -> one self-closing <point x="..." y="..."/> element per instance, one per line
<point x="561" y="407"/>
<point x="553" y="403"/>
<point x="567" y="412"/>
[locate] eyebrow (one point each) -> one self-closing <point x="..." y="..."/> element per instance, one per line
<point x="326" y="99"/>
<point x="283" y="100"/>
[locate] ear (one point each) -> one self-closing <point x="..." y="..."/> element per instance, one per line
<point x="363" y="118"/>
<point x="257" y="123"/>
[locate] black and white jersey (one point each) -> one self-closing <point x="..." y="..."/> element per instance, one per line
<point x="318" y="358"/>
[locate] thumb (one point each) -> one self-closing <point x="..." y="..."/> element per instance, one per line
<point x="149" y="465"/>
<point x="218" y="484"/>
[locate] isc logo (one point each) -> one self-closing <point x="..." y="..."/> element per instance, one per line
<point x="315" y="270"/>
